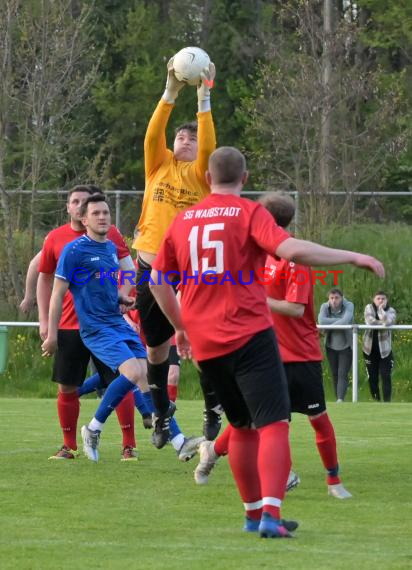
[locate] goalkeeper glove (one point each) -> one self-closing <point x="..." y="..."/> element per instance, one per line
<point x="205" y="85"/>
<point x="173" y="86"/>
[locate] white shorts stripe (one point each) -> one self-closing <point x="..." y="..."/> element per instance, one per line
<point x="252" y="506"/>
<point x="272" y="501"/>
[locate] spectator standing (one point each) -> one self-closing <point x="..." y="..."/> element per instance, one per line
<point x="338" y="343"/>
<point x="377" y="346"/>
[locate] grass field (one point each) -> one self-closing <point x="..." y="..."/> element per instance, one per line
<point x="150" y="514"/>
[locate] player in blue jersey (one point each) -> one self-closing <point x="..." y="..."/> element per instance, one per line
<point x="89" y="266"/>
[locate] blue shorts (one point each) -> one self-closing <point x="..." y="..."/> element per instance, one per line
<point x="114" y="345"/>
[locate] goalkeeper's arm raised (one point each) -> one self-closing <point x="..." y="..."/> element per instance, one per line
<point x="155" y="149"/>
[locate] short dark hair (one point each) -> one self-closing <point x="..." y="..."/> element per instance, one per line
<point x="95" y="189"/>
<point x="227" y="165"/>
<point x="380" y="292"/>
<point x="89" y="188"/>
<point x="280" y="205"/>
<point x="335" y="291"/>
<point x="92" y="199"/>
<point x="78" y="188"/>
<point x="191" y="127"/>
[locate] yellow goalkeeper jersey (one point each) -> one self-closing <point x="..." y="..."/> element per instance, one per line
<point x="171" y="185"/>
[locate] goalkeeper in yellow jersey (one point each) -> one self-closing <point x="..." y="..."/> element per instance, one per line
<point x="174" y="180"/>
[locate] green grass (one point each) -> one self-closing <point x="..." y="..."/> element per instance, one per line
<point x="112" y="515"/>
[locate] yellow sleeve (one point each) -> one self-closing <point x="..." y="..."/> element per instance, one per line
<point x="155" y="150"/>
<point x="206" y="143"/>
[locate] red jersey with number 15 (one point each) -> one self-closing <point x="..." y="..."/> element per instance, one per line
<point x="298" y="338"/>
<point x="52" y="248"/>
<point x="229" y="237"/>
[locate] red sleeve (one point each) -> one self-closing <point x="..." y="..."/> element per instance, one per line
<point x="298" y="285"/>
<point x="166" y="259"/>
<point x="118" y="240"/>
<point x="265" y="231"/>
<point x="48" y="261"/>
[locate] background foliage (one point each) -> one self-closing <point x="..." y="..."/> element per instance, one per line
<point x="316" y="93"/>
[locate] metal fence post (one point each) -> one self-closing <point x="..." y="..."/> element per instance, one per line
<point x="354" y="363"/>
<point x="297" y="221"/>
<point x="117" y="210"/>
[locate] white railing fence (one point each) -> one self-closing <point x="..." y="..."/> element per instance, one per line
<point x="251" y="193"/>
<point x="355" y="334"/>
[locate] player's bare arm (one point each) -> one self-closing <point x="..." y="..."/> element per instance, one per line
<point x="44" y="291"/>
<point x="29" y="300"/>
<point x="155" y="149"/>
<point x="286" y="308"/>
<point x="126" y="264"/>
<point x="309" y="253"/>
<point x="60" y="288"/>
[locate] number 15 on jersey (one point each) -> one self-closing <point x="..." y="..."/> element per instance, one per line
<point x="206" y="244"/>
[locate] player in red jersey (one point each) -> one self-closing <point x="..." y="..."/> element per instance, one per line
<point x="289" y="288"/>
<point x="217" y="247"/>
<point x="72" y="358"/>
<point x="290" y="297"/>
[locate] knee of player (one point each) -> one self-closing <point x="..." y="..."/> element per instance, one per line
<point x="135" y="370"/>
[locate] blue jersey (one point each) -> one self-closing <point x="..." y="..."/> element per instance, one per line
<point x="91" y="268"/>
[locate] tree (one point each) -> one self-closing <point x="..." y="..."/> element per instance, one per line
<point x="8" y="14"/>
<point x="297" y="121"/>
<point x="48" y="65"/>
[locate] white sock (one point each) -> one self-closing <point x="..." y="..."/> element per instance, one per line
<point x="178" y="441"/>
<point x="95" y="425"/>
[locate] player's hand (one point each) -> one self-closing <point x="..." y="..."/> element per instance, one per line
<point x="184" y="349"/>
<point x="205" y="84"/>
<point x="207" y="77"/>
<point x="43" y="330"/>
<point x="173" y="85"/>
<point x="207" y="81"/>
<point x="126" y="303"/>
<point x="370" y="263"/>
<point x="49" y="346"/>
<point x="27" y="305"/>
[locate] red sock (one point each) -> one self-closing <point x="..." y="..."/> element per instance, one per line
<point x="172" y="392"/>
<point x="274" y="465"/>
<point x="68" y="407"/>
<point x="326" y="443"/>
<point x="243" y="451"/>
<point x="125" y="415"/>
<point x="221" y="444"/>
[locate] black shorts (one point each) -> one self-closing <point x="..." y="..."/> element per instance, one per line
<point x="305" y="382"/>
<point x="174" y="358"/>
<point x="72" y="358"/>
<point x="250" y="383"/>
<point x="155" y="325"/>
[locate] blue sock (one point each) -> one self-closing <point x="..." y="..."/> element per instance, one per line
<point x="89" y="385"/>
<point x="113" y="396"/>
<point x="140" y="402"/>
<point x="147" y="397"/>
<point x="174" y="428"/>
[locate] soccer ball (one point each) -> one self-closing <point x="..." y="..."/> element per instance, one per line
<point x="188" y="64"/>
